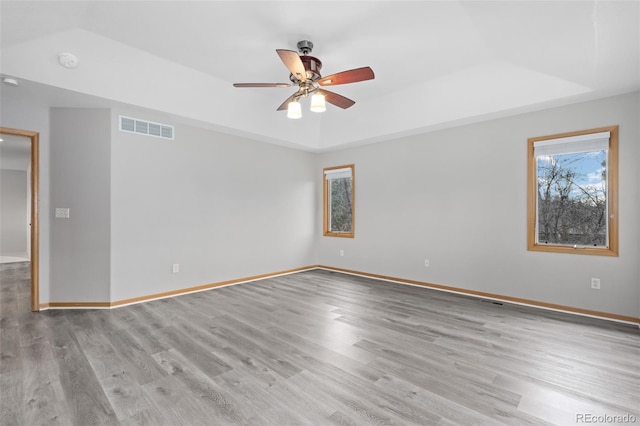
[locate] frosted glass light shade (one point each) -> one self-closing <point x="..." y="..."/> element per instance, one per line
<point x="294" y="110"/>
<point x="317" y="103"/>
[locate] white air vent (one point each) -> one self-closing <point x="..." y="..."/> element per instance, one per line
<point x="142" y="127"/>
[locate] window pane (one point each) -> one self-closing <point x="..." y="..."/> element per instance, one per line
<point x="338" y="201"/>
<point x="340" y="205"/>
<point x="572" y="199"/>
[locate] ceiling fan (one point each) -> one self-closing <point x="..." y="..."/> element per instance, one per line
<point x="305" y="73"/>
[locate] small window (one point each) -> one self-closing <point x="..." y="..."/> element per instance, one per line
<point x="339" y="190"/>
<point x="573" y="192"/>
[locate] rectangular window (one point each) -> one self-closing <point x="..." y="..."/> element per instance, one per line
<point x="339" y="190"/>
<point x="573" y="187"/>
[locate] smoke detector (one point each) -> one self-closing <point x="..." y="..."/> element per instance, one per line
<point x="10" y="81"/>
<point x="68" y="60"/>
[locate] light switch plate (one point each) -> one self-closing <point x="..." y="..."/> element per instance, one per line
<point x="62" y="213"/>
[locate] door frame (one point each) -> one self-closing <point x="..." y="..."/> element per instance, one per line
<point x="35" y="197"/>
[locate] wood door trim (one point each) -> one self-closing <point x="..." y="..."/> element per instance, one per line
<point x="35" y="197"/>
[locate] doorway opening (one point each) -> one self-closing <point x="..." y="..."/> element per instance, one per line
<point x="34" y="237"/>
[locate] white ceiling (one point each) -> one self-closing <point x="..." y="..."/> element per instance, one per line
<point x="437" y="63"/>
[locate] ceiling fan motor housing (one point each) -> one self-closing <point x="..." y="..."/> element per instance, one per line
<point x="312" y="66"/>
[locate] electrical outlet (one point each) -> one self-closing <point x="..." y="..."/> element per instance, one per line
<point x="426" y="263"/>
<point x="341" y="252"/>
<point x="176" y="268"/>
<point x="595" y="283"/>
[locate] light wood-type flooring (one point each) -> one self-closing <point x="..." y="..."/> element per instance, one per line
<point x="312" y="348"/>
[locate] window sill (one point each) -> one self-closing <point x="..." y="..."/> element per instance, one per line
<point x="594" y="251"/>
<point x="339" y="235"/>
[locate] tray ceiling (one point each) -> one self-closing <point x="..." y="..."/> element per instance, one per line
<point x="437" y="63"/>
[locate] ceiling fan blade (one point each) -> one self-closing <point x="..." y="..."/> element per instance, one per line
<point x="335" y="99"/>
<point x="261" y="84"/>
<point x="293" y="63"/>
<point x="285" y="104"/>
<point x="344" y="77"/>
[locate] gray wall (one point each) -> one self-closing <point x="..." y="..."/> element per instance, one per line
<point x="249" y="208"/>
<point x="458" y="198"/>
<point x="14" y="212"/>
<point x="80" y="181"/>
<point x="220" y="206"/>
<point x="427" y="196"/>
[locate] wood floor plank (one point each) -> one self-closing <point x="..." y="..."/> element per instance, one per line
<point x="272" y="407"/>
<point x="449" y="411"/>
<point x="196" y="353"/>
<point x="139" y="364"/>
<point x="12" y="407"/>
<point x="41" y="385"/>
<point x="248" y="341"/>
<point x="325" y="353"/>
<point x="10" y="350"/>
<point x="145" y="335"/>
<point x="165" y="394"/>
<point x="126" y="396"/>
<point x="326" y="373"/>
<point x="147" y="417"/>
<point x="350" y="402"/>
<point x="100" y="354"/>
<point x="202" y="388"/>
<point x="487" y="400"/>
<point x="311" y="348"/>
<point x="83" y="392"/>
<point x="33" y="329"/>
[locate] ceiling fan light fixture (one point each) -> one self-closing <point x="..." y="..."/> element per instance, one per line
<point x="318" y="103"/>
<point x="294" y="110"/>
<point x="305" y="74"/>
